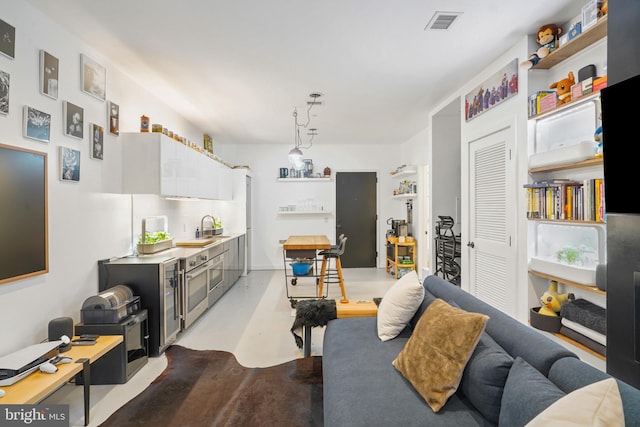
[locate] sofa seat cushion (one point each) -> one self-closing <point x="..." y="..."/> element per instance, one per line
<point x="485" y="376"/>
<point x="434" y="357"/>
<point x="362" y="388"/>
<point x="526" y="394"/>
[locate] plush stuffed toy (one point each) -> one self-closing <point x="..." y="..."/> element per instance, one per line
<point x="604" y="9"/>
<point x="563" y="88"/>
<point x="547" y="37"/>
<point x="551" y="301"/>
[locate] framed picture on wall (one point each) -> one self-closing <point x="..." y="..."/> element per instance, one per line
<point x="69" y="164"/>
<point x="4" y="93"/>
<point x="7" y="39"/>
<point x="73" y="120"/>
<point x="97" y="141"/>
<point x="113" y="111"/>
<point x="36" y="124"/>
<point x="49" y="66"/>
<point x="94" y="78"/>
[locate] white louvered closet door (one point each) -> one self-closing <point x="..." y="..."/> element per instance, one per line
<point x="492" y="253"/>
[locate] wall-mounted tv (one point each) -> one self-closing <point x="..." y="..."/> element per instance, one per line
<point x="24" y="242"/>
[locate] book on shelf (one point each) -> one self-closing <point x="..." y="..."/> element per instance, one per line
<point x="535" y="100"/>
<point x="558" y="199"/>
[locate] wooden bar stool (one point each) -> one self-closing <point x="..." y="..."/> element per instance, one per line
<point x="330" y="275"/>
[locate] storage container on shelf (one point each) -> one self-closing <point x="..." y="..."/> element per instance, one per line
<point x="568" y="251"/>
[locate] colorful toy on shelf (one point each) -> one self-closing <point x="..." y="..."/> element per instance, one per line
<point x="599" y="138"/>
<point x="551" y="301"/>
<point x="547" y="38"/>
<point x="563" y="88"/>
<point x="604" y="9"/>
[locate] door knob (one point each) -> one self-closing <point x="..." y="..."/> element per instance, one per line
<point x="471" y="245"/>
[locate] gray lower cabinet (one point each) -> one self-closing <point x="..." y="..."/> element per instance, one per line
<point x="234" y="259"/>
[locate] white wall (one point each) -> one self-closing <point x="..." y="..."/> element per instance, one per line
<point x="88" y="220"/>
<point x="269" y="228"/>
<point x="91" y="220"/>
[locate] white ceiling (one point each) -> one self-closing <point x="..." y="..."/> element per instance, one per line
<point x="240" y="67"/>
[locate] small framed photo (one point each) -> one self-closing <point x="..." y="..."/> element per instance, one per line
<point x="4" y="93"/>
<point x="49" y="66"/>
<point x="308" y="168"/>
<point x="69" y="164"/>
<point x="7" y="39"/>
<point x="113" y="111"/>
<point x="36" y="124"/>
<point x="73" y="120"/>
<point x="589" y="14"/>
<point x="97" y="141"/>
<point x="94" y="78"/>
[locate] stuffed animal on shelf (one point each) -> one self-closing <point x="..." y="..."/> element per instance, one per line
<point x="551" y="301"/>
<point x="604" y="9"/>
<point x="547" y="37"/>
<point x="563" y="88"/>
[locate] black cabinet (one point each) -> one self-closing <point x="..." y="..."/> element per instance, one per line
<point x="121" y="363"/>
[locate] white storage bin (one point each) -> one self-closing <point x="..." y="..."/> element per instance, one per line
<point x="567" y="135"/>
<point x="570" y="252"/>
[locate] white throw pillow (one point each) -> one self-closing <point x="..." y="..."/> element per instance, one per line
<point x="598" y="404"/>
<point x="398" y="305"/>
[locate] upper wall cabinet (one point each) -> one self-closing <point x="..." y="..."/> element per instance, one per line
<point x="153" y="163"/>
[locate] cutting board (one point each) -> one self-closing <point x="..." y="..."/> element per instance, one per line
<point x="196" y="243"/>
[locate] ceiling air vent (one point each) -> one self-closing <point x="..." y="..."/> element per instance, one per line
<point x="442" y="20"/>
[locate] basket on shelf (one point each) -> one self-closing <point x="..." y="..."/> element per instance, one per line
<point x="301" y="267"/>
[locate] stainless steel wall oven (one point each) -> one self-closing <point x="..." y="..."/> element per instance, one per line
<point x="195" y="290"/>
<point x="217" y="284"/>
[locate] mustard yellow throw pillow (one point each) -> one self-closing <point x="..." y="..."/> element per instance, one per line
<point x="434" y="357"/>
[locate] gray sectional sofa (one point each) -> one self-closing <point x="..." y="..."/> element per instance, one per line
<point x="514" y="373"/>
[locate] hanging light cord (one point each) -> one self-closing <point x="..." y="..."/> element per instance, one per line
<point x="298" y="139"/>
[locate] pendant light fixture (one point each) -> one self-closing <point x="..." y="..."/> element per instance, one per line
<point x="295" y="155"/>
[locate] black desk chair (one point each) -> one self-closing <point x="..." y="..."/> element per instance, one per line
<point x="330" y="275"/>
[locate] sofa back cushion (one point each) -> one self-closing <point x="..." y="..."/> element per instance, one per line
<point x="570" y="374"/>
<point x="485" y="376"/>
<point x="514" y="337"/>
<point x="526" y="394"/>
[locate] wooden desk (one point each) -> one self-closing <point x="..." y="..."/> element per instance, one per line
<point x="38" y="385"/>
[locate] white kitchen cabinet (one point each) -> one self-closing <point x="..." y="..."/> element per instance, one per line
<point x="153" y="163"/>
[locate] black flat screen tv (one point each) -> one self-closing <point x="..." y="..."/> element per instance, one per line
<point x="24" y="243"/>
<point x="621" y="146"/>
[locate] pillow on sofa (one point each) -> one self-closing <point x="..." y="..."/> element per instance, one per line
<point x="526" y="394"/>
<point x="398" y="305"/>
<point x="485" y="375"/>
<point x="598" y="404"/>
<point x="435" y="355"/>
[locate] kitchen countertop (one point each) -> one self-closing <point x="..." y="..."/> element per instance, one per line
<point x="183" y="251"/>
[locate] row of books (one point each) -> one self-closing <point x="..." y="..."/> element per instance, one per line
<point x="546" y="100"/>
<point x="566" y="200"/>
<point x="537" y="103"/>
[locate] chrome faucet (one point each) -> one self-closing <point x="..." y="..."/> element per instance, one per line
<point x="209" y="231"/>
